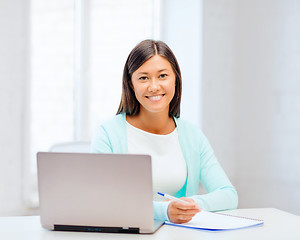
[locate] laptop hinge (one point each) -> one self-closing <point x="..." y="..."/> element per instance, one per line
<point x="95" y="229"/>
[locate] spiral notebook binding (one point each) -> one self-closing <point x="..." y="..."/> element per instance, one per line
<point x="225" y="214"/>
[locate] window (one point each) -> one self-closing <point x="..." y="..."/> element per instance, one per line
<point x="78" y="51"/>
<point x="115" y="29"/>
<point x="52" y="74"/>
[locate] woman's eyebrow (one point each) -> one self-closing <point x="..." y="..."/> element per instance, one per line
<point x="145" y="73"/>
<point x="142" y="73"/>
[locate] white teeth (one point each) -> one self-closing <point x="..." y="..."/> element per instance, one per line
<point x="155" y="98"/>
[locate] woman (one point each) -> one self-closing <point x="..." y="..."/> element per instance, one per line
<point x="148" y="122"/>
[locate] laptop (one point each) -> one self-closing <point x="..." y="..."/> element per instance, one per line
<point x="96" y="192"/>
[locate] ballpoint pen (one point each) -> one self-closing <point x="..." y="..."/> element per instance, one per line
<point x="171" y="197"/>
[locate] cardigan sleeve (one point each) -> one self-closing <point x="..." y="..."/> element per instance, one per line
<point x="110" y="137"/>
<point x="204" y="168"/>
<point x="101" y="142"/>
<point x="160" y="210"/>
<point x="221" y="195"/>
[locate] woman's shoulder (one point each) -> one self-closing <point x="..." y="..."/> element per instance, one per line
<point x="110" y="136"/>
<point x="114" y="122"/>
<point x="189" y="130"/>
<point x="187" y="126"/>
<point x="191" y="135"/>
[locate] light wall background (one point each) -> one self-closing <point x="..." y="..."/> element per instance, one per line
<point x="251" y="97"/>
<point x="242" y="60"/>
<point x="14" y="80"/>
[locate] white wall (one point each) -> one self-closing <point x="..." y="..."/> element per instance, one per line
<point x="251" y="95"/>
<point x="217" y="80"/>
<point x="181" y="29"/>
<point x="14" y="20"/>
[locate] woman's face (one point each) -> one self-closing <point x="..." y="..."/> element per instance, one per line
<point x="154" y="85"/>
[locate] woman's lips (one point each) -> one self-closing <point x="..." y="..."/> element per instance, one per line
<point x="155" y="98"/>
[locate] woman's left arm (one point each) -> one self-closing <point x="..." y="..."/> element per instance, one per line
<point x="221" y="195"/>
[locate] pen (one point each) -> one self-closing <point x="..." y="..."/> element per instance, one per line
<point x="171" y="197"/>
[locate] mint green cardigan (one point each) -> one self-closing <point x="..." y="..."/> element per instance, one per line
<point x="202" y="165"/>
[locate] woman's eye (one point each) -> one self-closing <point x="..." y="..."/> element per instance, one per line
<point x="163" y="76"/>
<point x="143" y="78"/>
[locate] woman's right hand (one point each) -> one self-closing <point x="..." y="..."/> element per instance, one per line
<point x="179" y="212"/>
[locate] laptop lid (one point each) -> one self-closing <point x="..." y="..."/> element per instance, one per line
<point x="96" y="192"/>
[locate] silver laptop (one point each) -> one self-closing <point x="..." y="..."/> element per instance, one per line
<point x="96" y="192"/>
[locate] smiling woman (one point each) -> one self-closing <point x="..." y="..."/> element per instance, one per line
<point x="154" y="85"/>
<point x="148" y="122"/>
<point x="152" y="82"/>
<point x="153" y="65"/>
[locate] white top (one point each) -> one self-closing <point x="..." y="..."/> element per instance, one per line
<point x="169" y="170"/>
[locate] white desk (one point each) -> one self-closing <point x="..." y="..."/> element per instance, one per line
<point x="278" y="225"/>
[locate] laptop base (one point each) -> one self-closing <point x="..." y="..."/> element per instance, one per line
<point x="95" y="229"/>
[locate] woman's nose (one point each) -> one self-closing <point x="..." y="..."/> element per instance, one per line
<point x="153" y="85"/>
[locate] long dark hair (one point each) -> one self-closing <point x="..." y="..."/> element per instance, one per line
<point x="140" y="54"/>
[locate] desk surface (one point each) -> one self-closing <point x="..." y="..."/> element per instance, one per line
<point x="278" y="225"/>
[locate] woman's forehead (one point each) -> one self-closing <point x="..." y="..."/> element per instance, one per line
<point x="156" y="63"/>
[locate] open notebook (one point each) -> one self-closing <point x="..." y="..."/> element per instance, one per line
<point x="218" y="222"/>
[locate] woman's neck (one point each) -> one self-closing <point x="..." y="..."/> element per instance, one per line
<point x="157" y="123"/>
